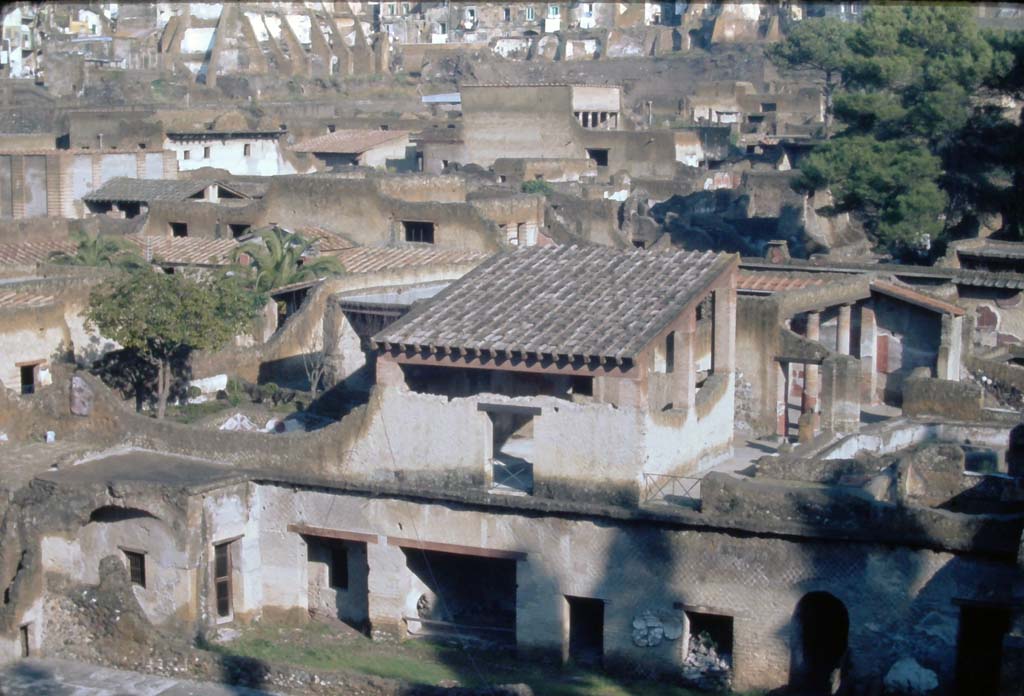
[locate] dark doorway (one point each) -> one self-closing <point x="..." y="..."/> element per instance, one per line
<point x="821" y="627"/>
<point x="600" y="156"/>
<point x="23" y="638"/>
<point x="586" y="630"/>
<point x="28" y="379"/>
<point x="979" y="649"/>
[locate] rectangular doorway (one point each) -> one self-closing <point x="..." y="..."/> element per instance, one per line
<point x="979" y="649"/>
<point x="24" y="639"/>
<point x="586" y="630"/>
<point x="28" y="379"/>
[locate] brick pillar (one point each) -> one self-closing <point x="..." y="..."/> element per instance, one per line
<point x="387" y="586"/>
<point x="724" y="344"/>
<point x="684" y="377"/>
<point x="948" y="363"/>
<point x="843" y="330"/>
<point x="811" y="373"/>
<point x="868" y="345"/>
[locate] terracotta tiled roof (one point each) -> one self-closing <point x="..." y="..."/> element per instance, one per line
<point x="31" y="253"/>
<point x="914" y="297"/>
<point x="994" y="249"/>
<point x="370" y="259"/>
<point x="185" y="251"/>
<point x="11" y="298"/>
<point x="563" y="300"/>
<point x="767" y="281"/>
<point x="146" y="190"/>
<point x="324" y="239"/>
<point x="349" y="141"/>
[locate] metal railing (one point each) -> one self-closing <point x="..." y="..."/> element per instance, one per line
<point x="671" y="489"/>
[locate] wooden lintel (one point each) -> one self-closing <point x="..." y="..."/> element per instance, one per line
<point x="333" y="533"/>
<point x="456" y="548"/>
<point x="509" y="408"/>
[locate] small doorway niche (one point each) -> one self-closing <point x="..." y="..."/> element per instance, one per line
<point x="25" y="640"/>
<point x="586" y="630"/>
<point x="979" y="649"/>
<point x="598" y="155"/>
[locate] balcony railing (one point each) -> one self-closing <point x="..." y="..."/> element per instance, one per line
<point x="675" y="490"/>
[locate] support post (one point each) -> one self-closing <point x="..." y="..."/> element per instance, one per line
<point x="811" y="373"/>
<point x="868" y="346"/>
<point x="843" y="330"/>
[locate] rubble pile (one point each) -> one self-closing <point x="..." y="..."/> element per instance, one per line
<point x="705" y="666"/>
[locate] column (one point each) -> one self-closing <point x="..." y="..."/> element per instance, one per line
<point x="782" y="399"/>
<point x="387" y="585"/>
<point x="948" y="363"/>
<point x="868" y="344"/>
<point x="724" y="345"/>
<point x="843" y="330"/>
<point x="684" y="376"/>
<point x="811" y="372"/>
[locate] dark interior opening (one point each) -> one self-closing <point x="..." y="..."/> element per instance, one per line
<point x="239" y="230"/>
<point x="28" y="379"/>
<point x="179" y="229"/>
<point x="599" y="155"/>
<point x="23" y="635"/>
<point x="715" y="629"/>
<point x="586" y="630"/>
<point x="979" y="649"/>
<point x="418" y="231"/>
<point x="821" y="625"/>
<point x="466" y="595"/>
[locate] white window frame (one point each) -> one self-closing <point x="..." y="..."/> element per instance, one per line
<point x="554" y="11"/>
<point x="530" y="14"/>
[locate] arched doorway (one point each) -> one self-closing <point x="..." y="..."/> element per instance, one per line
<point x="821" y="627"/>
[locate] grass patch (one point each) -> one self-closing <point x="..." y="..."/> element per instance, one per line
<point x="190" y="413"/>
<point x="321" y="646"/>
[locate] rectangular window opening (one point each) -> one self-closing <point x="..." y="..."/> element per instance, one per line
<point x="206" y="152"/>
<point x="28" y="379"/>
<point x="708" y="636"/>
<point x="247" y="150"/>
<point x="136" y="567"/>
<point x="239" y="230"/>
<point x="187" y="154"/>
<point x="506" y="15"/>
<point x="584" y="386"/>
<point x="179" y="229"/>
<point x="222" y="578"/>
<point x="422" y="232"/>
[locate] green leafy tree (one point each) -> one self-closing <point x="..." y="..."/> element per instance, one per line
<point x="536" y="186"/>
<point x="163" y="317"/>
<point x="100" y="250"/>
<point x="903" y="85"/>
<point x="818" y="45"/>
<point x="280" y="257"/>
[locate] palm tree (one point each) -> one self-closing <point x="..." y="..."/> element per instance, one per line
<point x="278" y="259"/>
<point x="100" y="250"/>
